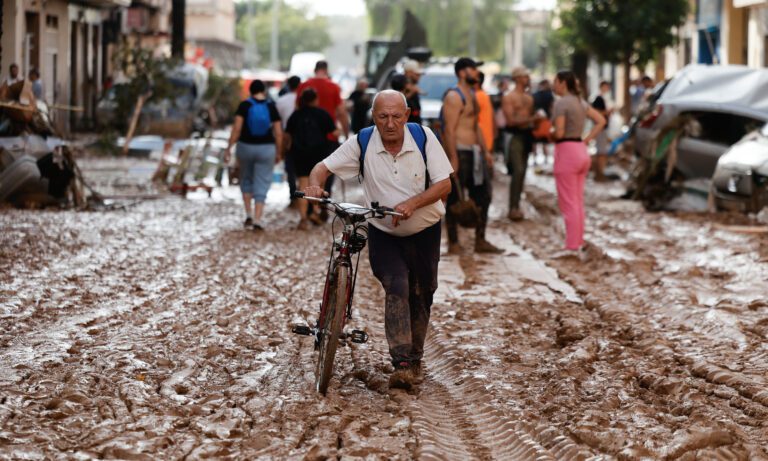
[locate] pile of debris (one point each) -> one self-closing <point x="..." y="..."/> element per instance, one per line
<point x="37" y="167"/>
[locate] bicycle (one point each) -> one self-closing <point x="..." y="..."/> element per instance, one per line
<point x="340" y="279"/>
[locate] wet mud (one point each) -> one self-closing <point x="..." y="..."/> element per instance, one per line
<point x="162" y="331"/>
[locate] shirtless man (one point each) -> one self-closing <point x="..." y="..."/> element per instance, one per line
<point x="517" y="106"/>
<point x="472" y="163"/>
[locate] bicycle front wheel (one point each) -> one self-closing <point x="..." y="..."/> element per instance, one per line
<point x="331" y="329"/>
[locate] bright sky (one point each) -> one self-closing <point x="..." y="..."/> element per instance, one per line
<point x="357" y="7"/>
<point x="333" y="7"/>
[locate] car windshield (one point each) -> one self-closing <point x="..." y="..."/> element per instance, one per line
<point x="435" y="85"/>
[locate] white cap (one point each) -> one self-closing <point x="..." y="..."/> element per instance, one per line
<point x="413" y="66"/>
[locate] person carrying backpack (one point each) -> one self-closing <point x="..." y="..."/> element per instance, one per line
<point x="402" y="166"/>
<point x="259" y="136"/>
<point x="306" y="141"/>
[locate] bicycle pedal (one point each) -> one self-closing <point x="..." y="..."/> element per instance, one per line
<point x="303" y="330"/>
<point x="358" y="336"/>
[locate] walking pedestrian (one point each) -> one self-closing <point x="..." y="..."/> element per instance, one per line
<point x="37" y="85"/>
<point x="361" y="103"/>
<point x="259" y="136"/>
<point x="306" y="138"/>
<point x="604" y="105"/>
<point x="543" y="99"/>
<point x="518" y="110"/>
<point x="571" y="158"/>
<point x="413" y="71"/>
<point x="472" y="163"/>
<point x="286" y="104"/>
<point x="13" y="75"/>
<point x="329" y="99"/>
<point x="404" y="252"/>
<point x="485" y="113"/>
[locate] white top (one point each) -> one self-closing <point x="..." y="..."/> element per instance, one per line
<point x="10" y="80"/>
<point x="392" y="179"/>
<point x="286" y="104"/>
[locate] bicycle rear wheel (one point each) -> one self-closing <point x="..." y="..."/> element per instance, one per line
<point x="331" y="330"/>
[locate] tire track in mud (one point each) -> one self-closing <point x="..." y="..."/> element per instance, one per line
<point x="685" y="376"/>
<point x="454" y="417"/>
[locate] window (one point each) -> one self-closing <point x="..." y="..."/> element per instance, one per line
<point x="723" y="128"/>
<point x="51" y="21"/>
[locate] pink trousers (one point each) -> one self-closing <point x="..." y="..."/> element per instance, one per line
<point x="572" y="164"/>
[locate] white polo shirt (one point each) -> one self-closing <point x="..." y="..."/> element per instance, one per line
<point x="392" y="179"/>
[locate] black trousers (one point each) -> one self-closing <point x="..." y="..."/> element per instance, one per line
<point x="481" y="194"/>
<point x="520" y="147"/>
<point x="407" y="269"/>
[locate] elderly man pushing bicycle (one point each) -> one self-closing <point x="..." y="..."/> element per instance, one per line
<point x="404" y="167"/>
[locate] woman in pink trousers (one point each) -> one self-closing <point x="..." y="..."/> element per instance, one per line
<point x="572" y="161"/>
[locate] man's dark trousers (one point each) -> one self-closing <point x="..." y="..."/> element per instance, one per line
<point x="407" y="269"/>
<point x="480" y="194"/>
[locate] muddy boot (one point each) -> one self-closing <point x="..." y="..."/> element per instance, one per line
<point x="402" y="377"/>
<point x="484" y="246"/>
<point x="515" y="214"/>
<point x="417" y="369"/>
<point x="454" y="248"/>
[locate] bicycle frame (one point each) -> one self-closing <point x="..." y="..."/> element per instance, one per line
<point x="336" y="306"/>
<point x="342" y="249"/>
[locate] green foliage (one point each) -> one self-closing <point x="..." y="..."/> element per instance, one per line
<point x="297" y="32"/>
<point x="626" y="31"/>
<point x="223" y="96"/>
<point x="448" y="23"/>
<point x="145" y="74"/>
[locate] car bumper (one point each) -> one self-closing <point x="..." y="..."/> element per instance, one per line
<point x="740" y="192"/>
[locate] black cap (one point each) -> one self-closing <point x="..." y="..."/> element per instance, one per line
<point x="463" y="63"/>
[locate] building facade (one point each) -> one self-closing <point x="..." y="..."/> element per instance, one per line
<point x="210" y="30"/>
<point x="721" y="32"/>
<point x="65" y="42"/>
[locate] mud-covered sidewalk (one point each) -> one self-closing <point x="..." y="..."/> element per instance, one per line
<point x="162" y="331"/>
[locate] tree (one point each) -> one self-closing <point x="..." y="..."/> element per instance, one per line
<point x="147" y="81"/>
<point x="626" y="32"/>
<point x="448" y="23"/>
<point x="297" y="32"/>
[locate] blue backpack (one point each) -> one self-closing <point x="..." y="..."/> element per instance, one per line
<point x="419" y="135"/>
<point x="441" y="118"/>
<point x="258" y="121"/>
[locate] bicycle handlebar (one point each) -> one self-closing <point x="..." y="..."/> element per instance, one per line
<point x="376" y="210"/>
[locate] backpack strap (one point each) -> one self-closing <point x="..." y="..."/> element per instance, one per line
<point x="420" y="136"/>
<point x="461" y="94"/>
<point x="363" y="138"/>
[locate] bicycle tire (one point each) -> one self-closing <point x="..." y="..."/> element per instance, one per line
<point x="331" y="330"/>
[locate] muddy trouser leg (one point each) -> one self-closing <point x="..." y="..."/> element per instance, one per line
<point x="518" y="155"/>
<point x="464" y="175"/>
<point x="290" y="174"/>
<point x="389" y="265"/>
<point x="481" y="194"/>
<point x="423" y="254"/>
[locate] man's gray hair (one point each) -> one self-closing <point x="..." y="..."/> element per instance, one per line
<point x="405" y="101"/>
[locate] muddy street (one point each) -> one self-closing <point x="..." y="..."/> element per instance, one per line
<point x="162" y="331"/>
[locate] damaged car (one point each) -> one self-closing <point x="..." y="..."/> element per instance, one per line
<point x="740" y="181"/>
<point x="726" y="102"/>
<point x="700" y="114"/>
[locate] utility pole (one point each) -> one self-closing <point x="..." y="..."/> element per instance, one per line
<point x="178" y="35"/>
<point x="274" y="53"/>
<point x="251" y="49"/>
<point x="473" y="30"/>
